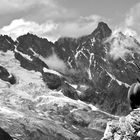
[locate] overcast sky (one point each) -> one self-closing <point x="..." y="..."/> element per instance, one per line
<point x="55" y="18"/>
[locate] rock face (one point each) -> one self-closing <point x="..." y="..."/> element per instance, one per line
<point x="126" y="128"/>
<point x="108" y="80"/>
<point x="6" y="76"/>
<point x="53" y="81"/>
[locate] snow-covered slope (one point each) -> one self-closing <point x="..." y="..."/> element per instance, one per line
<point x="30" y="110"/>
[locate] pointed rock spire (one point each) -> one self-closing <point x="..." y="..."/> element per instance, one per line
<point x="102" y="31"/>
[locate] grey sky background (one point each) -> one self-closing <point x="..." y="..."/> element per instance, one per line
<point x="55" y="18"/>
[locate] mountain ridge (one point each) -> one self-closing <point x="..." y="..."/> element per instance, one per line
<point x="85" y="61"/>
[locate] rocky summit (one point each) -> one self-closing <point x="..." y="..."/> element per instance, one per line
<point x="126" y="128"/>
<point x="70" y="89"/>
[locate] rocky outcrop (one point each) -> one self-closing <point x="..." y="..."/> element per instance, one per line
<point x="6" y="76"/>
<point x="80" y="117"/>
<point x="126" y="128"/>
<point x="6" y="43"/>
<point x="102" y="31"/>
<point x="52" y="81"/>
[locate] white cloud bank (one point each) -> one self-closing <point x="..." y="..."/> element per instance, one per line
<point x="122" y="46"/>
<point x="19" y="27"/>
<point x="55" y="63"/>
<point x="51" y="30"/>
<point x="133" y="17"/>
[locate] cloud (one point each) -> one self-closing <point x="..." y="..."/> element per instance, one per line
<point x="20" y="26"/>
<point x="121" y="48"/>
<point x="8" y="6"/>
<point x="122" y="44"/>
<point x="79" y="27"/>
<point x="50" y="29"/>
<point x="133" y="17"/>
<point x="34" y="10"/>
<point x="55" y="63"/>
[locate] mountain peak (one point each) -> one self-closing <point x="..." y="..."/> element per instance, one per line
<point x="102" y="31"/>
<point x="102" y="24"/>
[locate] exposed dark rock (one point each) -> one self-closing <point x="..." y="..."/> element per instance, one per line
<point x="65" y="52"/>
<point x="4" y="135"/>
<point x="69" y="91"/>
<point x="29" y="43"/>
<point x="52" y="81"/>
<point x="6" y="43"/>
<point x="102" y="31"/>
<point x="36" y="64"/>
<point x="6" y="76"/>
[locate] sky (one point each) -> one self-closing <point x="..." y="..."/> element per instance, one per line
<point x="73" y="18"/>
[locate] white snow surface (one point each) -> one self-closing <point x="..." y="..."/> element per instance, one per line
<point x="24" y="55"/>
<point x="23" y="76"/>
<point x="78" y="52"/>
<point x="51" y="71"/>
